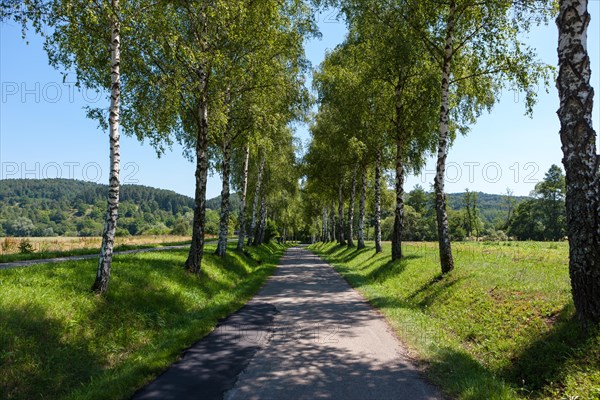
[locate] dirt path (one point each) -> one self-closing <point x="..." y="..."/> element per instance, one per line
<point x="306" y="335"/>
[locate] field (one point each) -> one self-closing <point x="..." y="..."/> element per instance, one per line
<point x="52" y="247"/>
<point x="10" y="245"/>
<point x="500" y="326"/>
<point x="58" y="340"/>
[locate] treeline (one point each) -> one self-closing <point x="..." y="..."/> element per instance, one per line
<point x="481" y="216"/>
<point x="63" y="207"/>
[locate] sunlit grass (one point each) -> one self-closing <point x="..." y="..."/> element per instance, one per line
<point x="58" y="340"/>
<point x="498" y="327"/>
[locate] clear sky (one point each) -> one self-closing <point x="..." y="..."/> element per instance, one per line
<point x="44" y="132"/>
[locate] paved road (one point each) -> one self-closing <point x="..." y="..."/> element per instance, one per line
<point x="306" y="335"/>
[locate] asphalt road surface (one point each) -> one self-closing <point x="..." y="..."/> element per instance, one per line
<point x="306" y="335"/>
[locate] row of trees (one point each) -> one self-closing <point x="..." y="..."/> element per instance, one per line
<point x="412" y="75"/>
<point x="407" y="79"/>
<point x="224" y="78"/>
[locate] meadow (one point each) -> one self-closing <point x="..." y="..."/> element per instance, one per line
<point x="59" y="340"/>
<point x="52" y="247"/>
<point x="500" y="326"/>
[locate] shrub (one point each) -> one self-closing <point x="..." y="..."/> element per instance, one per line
<point x="25" y="247"/>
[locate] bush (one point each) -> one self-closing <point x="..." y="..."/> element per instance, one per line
<point x="25" y="247"/>
<point x="181" y="228"/>
<point x="121" y="231"/>
<point x="496" y="236"/>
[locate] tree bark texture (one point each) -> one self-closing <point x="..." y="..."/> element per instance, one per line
<point x="446" y="260"/>
<point x="341" y="227"/>
<point x="259" y="177"/>
<point x="399" y="210"/>
<point x="333" y="226"/>
<point x="580" y="160"/>
<point x="196" y="253"/>
<point x="351" y="209"/>
<point x="224" y="217"/>
<point x="378" y="248"/>
<point x="100" y="285"/>
<point x="362" y="209"/>
<point x="242" y="216"/>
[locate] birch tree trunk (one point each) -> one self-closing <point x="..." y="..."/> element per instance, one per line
<point x="242" y="216"/>
<point x="581" y="161"/>
<point x="260" y="231"/>
<point x="446" y="259"/>
<point x="351" y="209"/>
<point x="324" y="225"/>
<point x="194" y="259"/>
<point x="333" y="226"/>
<point x="224" y="218"/>
<point x="399" y="211"/>
<point x="259" y="177"/>
<point x="100" y="285"/>
<point x="378" y="248"/>
<point x="341" y="227"/>
<point x="362" y="208"/>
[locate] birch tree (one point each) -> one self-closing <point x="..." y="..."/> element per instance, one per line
<point x="480" y="54"/>
<point x="86" y="39"/>
<point x="581" y="160"/>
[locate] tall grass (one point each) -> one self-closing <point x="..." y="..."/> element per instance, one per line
<point x="10" y="245"/>
<point x="58" y="340"/>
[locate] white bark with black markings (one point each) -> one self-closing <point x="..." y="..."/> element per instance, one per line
<point x="378" y="248"/>
<point x="224" y="217"/>
<point x="110" y="225"/>
<point x="580" y="158"/>
<point x="196" y="252"/>
<point x="445" y="248"/>
<point x="362" y="209"/>
<point x="242" y="216"/>
<point x="341" y="238"/>
<point x="351" y="208"/>
<point x="259" y="177"/>
<point x="399" y="209"/>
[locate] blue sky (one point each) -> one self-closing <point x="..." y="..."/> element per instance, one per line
<point x="44" y="131"/>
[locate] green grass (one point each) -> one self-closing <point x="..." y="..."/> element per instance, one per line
<point x="40" y="255"/>
<point x="58" y="340"/>
<point x="500" y="326"/>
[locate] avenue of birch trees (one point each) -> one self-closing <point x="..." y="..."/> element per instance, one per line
<point x="223" y="78"/>
<point x="411" y="76"/>
<point x="226" y="79"/>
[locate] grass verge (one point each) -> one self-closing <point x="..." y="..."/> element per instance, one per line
<point x="58" y="340"/>
<point x="500" y="326"/>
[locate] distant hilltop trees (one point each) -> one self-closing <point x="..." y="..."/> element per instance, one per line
<point x="64" y="207"/>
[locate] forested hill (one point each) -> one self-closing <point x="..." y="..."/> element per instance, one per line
<point x="489" y="205"/>
<point x="234" y="203"/>
<point x="48" y="207"/>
